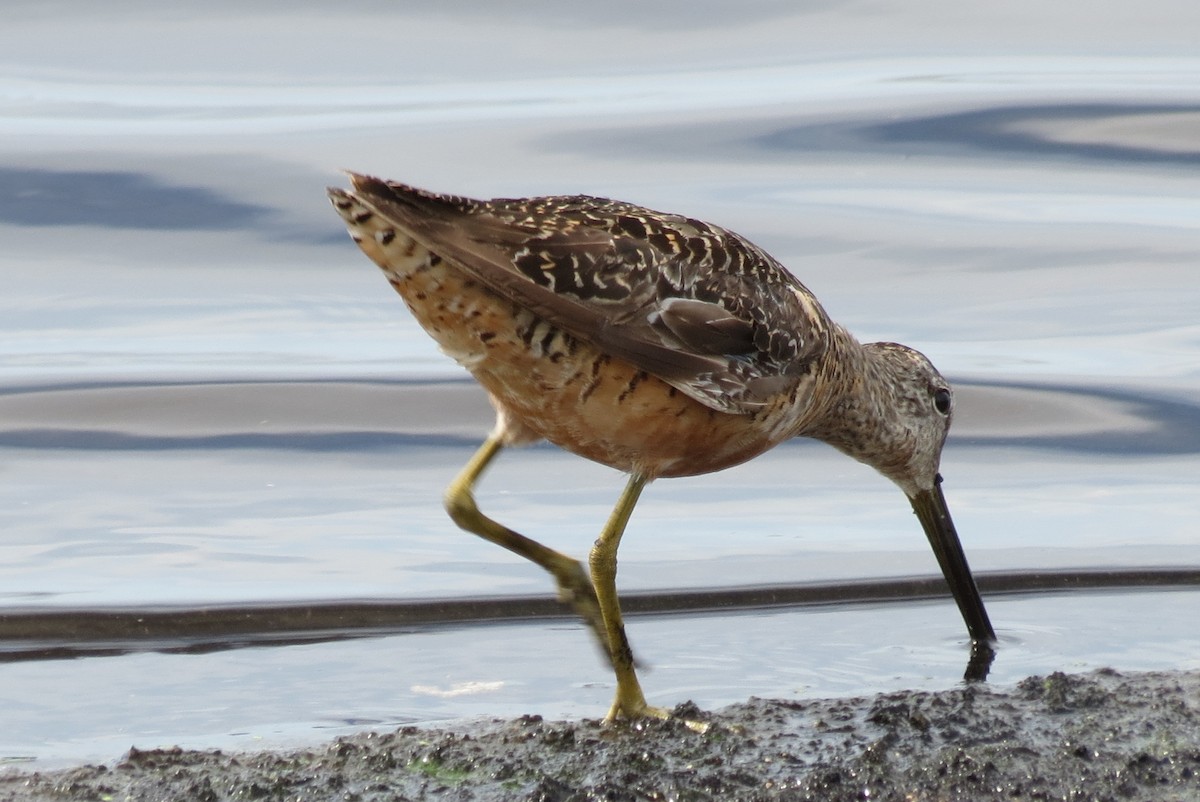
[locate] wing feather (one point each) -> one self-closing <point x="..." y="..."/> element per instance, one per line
<point x="696" y="305"/>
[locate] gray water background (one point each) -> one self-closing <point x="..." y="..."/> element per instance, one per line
<point x="209" y="397"/>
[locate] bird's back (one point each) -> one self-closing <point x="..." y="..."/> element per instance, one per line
<point x="645" y="341"/>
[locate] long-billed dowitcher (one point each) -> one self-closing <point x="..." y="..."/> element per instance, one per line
<point x="653" y="343"/>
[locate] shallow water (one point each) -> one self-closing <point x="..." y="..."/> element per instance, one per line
<point x="208" y="396"/>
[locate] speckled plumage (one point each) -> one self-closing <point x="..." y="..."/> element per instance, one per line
<point x="688" y="303"/>
<point x="654" y="343"/>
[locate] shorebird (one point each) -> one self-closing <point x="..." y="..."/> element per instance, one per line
<point x="653" y="343"/>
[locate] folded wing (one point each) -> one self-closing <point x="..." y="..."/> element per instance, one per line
<point x="697" y="306"/>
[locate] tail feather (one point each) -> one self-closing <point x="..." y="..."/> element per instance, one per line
<point x="378" y="191"/>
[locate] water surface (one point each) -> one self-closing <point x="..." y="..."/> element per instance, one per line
<point x="209" y="397"/>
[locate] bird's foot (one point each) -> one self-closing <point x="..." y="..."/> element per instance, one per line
<point x="635" y="712"/>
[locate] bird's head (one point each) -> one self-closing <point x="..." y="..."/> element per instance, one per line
<point x="894" y="415"/>
<point x="915" y="407"/>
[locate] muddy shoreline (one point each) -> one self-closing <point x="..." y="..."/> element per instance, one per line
<point x="1098" y="736"/>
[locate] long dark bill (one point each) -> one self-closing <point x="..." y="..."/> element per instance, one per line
<point x="930" y="507"/>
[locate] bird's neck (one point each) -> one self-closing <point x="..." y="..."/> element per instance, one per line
<point x="859" y="414"/>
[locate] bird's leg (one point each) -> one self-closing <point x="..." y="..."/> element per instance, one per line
<point x="574" y="586"/>
<point x="630" y="702"/>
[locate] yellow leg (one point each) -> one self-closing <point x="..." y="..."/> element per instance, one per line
<point x="574" y="586"/>
<point x="630" y="702"/>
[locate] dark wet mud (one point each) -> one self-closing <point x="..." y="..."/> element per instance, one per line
<point x="1097" y="737"/>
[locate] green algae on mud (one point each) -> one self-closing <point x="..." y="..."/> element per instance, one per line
<point x="1100" y="736"/>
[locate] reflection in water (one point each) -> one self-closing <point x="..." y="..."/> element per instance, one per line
<point x="715" y="16"/>
<point x="1131" y="135"/>
<point x="374" y="416"/>
<point x="48" y="634"/>
<point x="1044" y="240"/>
<point x="44" y="197"/>
<point x="1125" y="133"/>
<point x="1106" y="420"/>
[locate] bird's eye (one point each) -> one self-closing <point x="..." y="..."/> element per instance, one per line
<point x="942" y="400"/>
